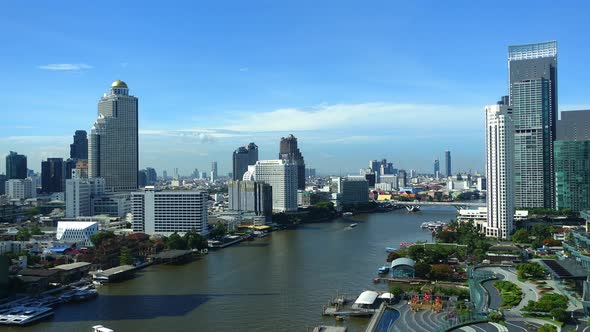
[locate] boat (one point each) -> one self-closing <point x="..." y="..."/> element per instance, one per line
<point x="25" y="315"/>
<point x="389" y="249"/>
<point x="353" y="225"/>
<point x="384" y="269"/>
<point x="100" y="328"/>
<point x="347" y="214"/>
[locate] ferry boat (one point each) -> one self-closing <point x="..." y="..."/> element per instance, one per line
<point x="347" y="214"/>
<point x="353" y="225"/>
<point x="25" y="315"/>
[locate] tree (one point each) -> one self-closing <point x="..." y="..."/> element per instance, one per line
<point x="542" y="231"/>
<point x="397" y="291"/>
<point x="559" y="314"/>
<point x="23" y="234"/>
<point x="392" y="256"/>
<point x="195" y="240"/>
<point x="176" y="242"/>
<point x="125" y="257"/>
<point x="530" y="270"/>
<point x="441" y="272"/>
<point x="547" y="328"/>
<point x="219" y="231"/>
<point x="98" y="238"/>
<point x="421" y="269"/>
<point x="521" y="236"/>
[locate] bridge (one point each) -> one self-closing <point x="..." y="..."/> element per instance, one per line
<point x="414" y="206"/>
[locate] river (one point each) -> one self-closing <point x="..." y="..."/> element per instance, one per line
<point x="277" y="283"/>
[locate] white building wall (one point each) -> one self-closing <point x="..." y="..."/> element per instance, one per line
<point x="499" y="171"/>
<point x="281" y="175"/>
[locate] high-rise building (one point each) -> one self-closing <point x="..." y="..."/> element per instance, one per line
<point x="402" y="178"/>
<point x="350" y="189"/>
<point x="16" y="166"/>
<point x="281" y="175"/>
<point x="533" y="97"/>
<point x="2" y="184"/>
<point x="53" y="175"/>
<point x="436" y="168"/>
<point x="572" y="161"/>
<point x="167" y="212"/>
<point x="499" y="171"/>
<point x="164" y="175"/>
<point x="448" y="169"/>
<point x="112" y="204"/>
<point x="142" y="178"/>
<point x="79" y="195"/>
<point x="375" y="166"/>
<point x="310" y="173"/>
<point x="113" y="142"/>
<point x="242" y="157"/>
<point x="385" y="168"/>
<point x="152" y="176"/>
<point x="213" y="171"/>
<point x="79" y="149"/>
<point x="289" y="151"/>
<point x="250" y="196"/>
<point x="20" y="188"/>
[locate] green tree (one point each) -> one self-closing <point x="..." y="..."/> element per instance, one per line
<point x="23" y="234"/>
<point x="421" y="269"/>
<point x="98" y="238"/>
<point x="547" y="328"/>
<point x="195" y="240"/>
<point x="441" y="272"/>
<point x="218" y="231"/>
<point x="175" y="241"/>
<point x="521" y="236"/>
<point x="125" y="257"/>
<point x="559" y="314"/>
<point x="397" y="291"/>
<point x="530" y="270"/>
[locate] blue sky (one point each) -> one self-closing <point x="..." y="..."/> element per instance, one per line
<point x="354" y="81"/>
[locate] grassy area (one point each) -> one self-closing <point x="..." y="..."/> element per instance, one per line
<point x="510" y="292"/>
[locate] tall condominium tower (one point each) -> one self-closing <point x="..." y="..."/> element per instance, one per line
<point x="533" y="97"/>
<point x="448" y="169"/>
<point x="213" y="170"/>
<point x="289" y="151"/>
<point x="436" y="168"/>
<point x="53" y="174"/>
<point x="16" y="166"/>
<point x="113" y="142"/>
<point x="499" y="171"/>
<point x="79" y="149"/>
<point x="281" y="175"/>
<point x="242" y="157"/>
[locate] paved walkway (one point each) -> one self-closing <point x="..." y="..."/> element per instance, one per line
<point x="421" y="321"/>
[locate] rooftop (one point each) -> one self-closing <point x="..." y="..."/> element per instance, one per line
<point x="71" y="266"/>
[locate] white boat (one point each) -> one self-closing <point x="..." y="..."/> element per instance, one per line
<point x="100" y="328"/>
<point x="347" y="214"/>
<point x="353" y="225"/>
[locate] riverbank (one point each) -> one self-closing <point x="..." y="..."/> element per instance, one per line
<point x="282" y="280"/>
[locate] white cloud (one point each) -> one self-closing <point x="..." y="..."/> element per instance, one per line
<point x="201" y="135"/>
<point x="380" y="116"/>
<point x="65" y="66"/>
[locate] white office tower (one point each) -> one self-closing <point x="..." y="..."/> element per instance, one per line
<point x="499" y="171"/>
<point x="20" y="188"/>
<point x="281" y="175"/>
<point x="113" y="140"/>
<point x="79" y="195"/>
<point x="167" y="212"/>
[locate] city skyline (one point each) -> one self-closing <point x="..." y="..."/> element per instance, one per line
<point x="364" y="100"/>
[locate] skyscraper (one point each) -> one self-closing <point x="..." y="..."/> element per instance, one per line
<point x="533" y="97"/>
<point x="152" y="176"/>
<point x="289" y="151"/>
<point x="448" y="169"/>
<point x="499" y="171"/>
<point x="79" y="149"/>
<point x="572" y="161"/>
<point x="53" y="175"/>
<point x="113" y="142"/>
<point x="16" y="166"/>
<point x="250" y="196"/>
<point x="242" y="157"/>
<point x="213" y="171"/>
<point x="436" y="168"/>
<point x="281" y="175"/>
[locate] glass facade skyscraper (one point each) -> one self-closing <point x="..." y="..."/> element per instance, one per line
<point x="113" y="143"/>
<point x="16" y="166"/>
<point x="533" y="97"/>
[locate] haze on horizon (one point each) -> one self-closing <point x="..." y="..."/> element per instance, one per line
<point x="402" y="81"/>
